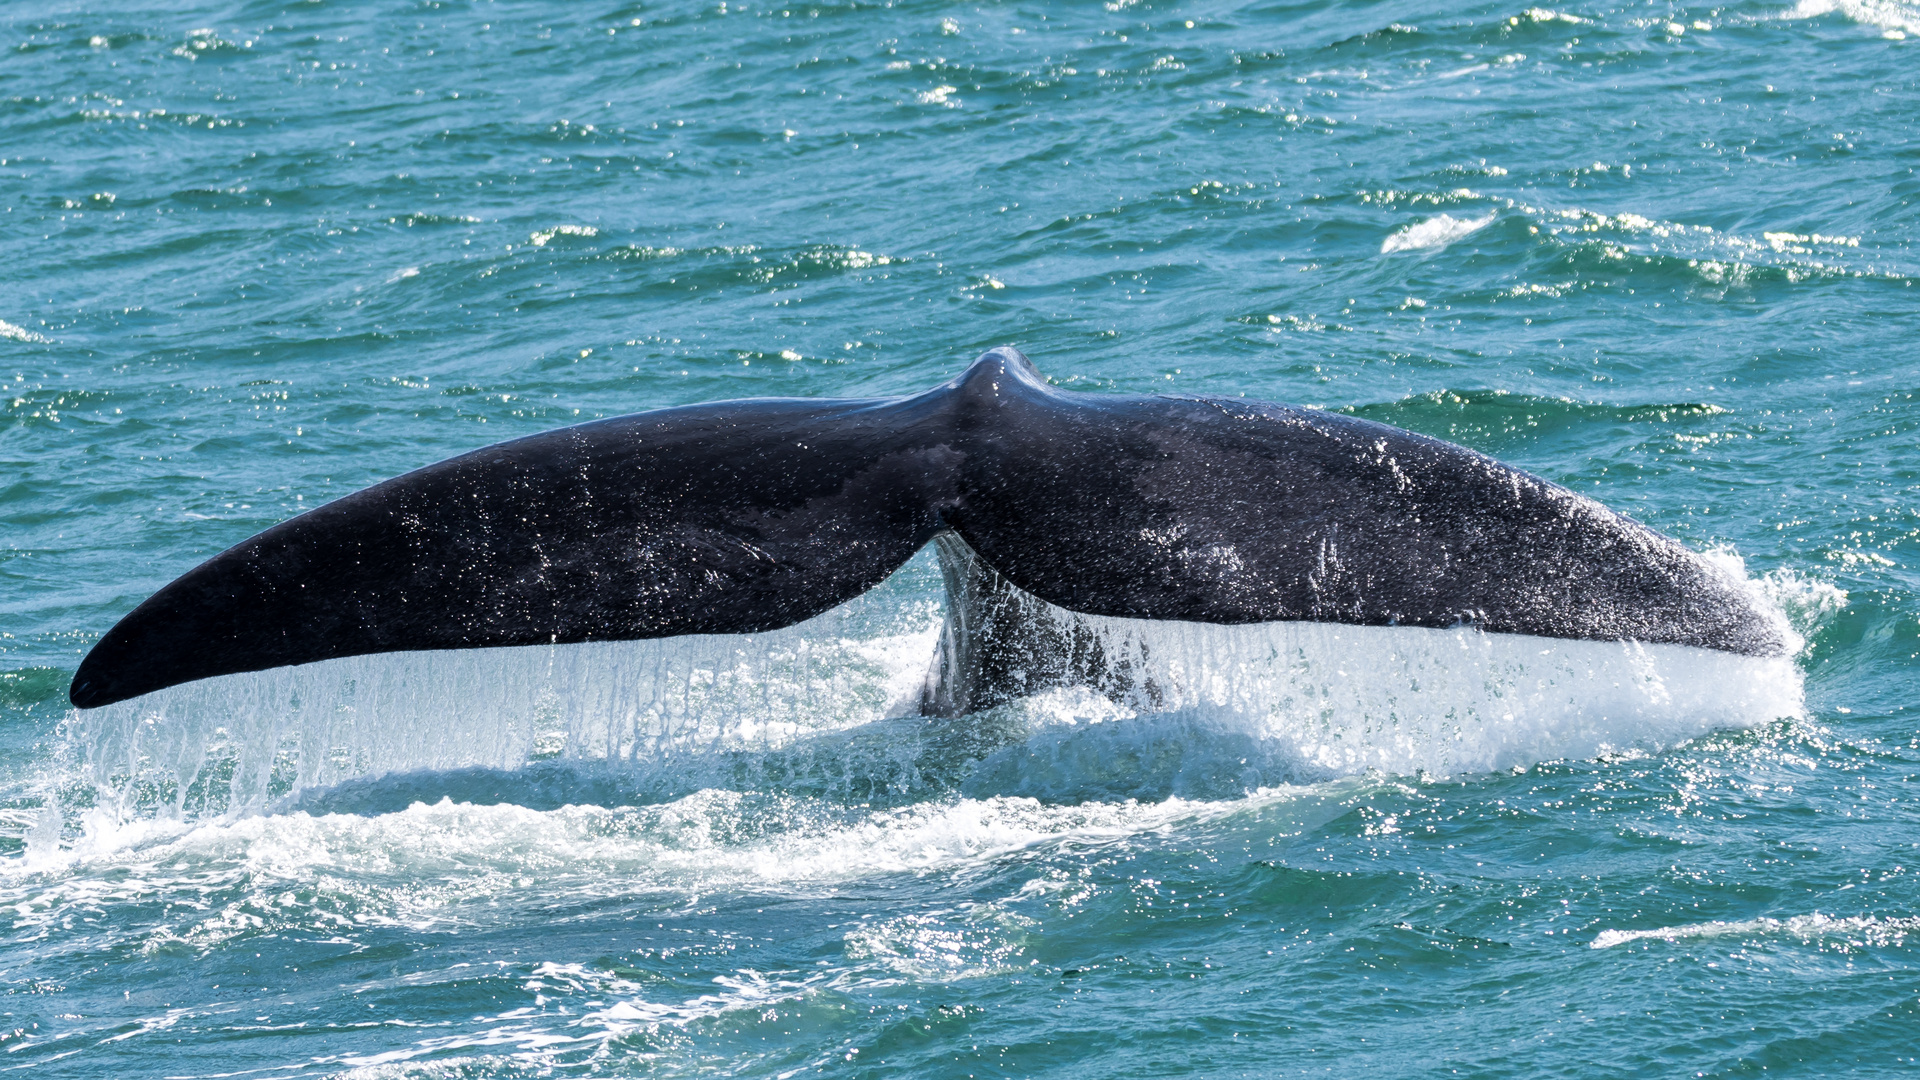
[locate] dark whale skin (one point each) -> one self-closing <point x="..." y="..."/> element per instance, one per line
<point x="744" y="516"/>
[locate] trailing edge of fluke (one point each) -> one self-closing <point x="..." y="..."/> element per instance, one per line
<point x="745" y="516"/>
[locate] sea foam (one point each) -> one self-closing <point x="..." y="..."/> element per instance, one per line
<point x="1894" y="20"/>
<point x="1435" y="232"/>
<point x="1855" y="931"/>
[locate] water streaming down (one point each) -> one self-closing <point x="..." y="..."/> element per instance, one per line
<point x="830" y="707"/>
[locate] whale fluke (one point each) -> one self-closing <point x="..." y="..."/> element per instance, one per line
<point x="744" y="516"/>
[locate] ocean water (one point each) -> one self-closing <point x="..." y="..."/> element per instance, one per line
<point x="260" y="254"/>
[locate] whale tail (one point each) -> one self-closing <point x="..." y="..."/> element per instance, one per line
<point x="744" y="516"/>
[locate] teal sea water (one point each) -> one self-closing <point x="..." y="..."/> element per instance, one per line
<point x="259" y="254"/>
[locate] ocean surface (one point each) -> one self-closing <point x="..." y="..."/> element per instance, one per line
<point x="260" y="254"/>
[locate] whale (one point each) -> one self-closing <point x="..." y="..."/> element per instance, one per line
<point x="738" y="517"/>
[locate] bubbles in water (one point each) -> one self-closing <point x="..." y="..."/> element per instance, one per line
<point x="1894" y="20"/>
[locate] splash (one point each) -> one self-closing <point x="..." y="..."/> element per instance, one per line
<point x="544" y="237"/>
<point x="1239" y="707"/>
<point x="828" y="709"/>
<point x="1894" y="20"/>
<point x="675" y="712"/>
<point x="1805" y="603"/>
<point x="10" y="332"/>
<point x="419" y="868"/>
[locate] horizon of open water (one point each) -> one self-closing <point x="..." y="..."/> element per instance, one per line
<point x="261" y="254"/>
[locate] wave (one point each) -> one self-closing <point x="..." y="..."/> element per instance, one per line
<point x="710" y="839"/>
<point x="1577" y="246"/>
<point x="748" y="264"/>
<point x="1434" y="233"/>
<point x="1856" y="932"/>
<point x="450" y="868"/>
<point x="1895" y="20"/>
<point x="10" y="332"/>
<point x="1491" y="420"/>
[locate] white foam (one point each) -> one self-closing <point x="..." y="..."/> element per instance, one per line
<point x="1895" y="20"/>
<point x="544" y="237"/>
<point x="1796" y="604"/>
<point x="1719" y="258"/>
<point x="1803" y="602"/>
<point x="1435" y="232"/>
<point x="11" y="332"/>
<point x="1857" y="931"/>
